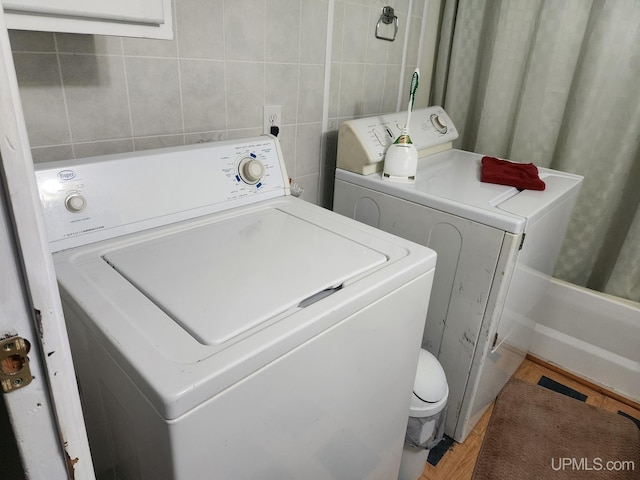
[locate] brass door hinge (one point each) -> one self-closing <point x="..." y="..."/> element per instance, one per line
<point x="14" y="364"/>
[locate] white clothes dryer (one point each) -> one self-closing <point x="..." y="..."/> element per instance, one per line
<point x="222" y="328"/>
<point x="496" y="246"/>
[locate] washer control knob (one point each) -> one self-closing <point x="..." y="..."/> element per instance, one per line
<point x="439" y="123"/>
<point x="251" y="170"/>
<point x="75" y="202"/>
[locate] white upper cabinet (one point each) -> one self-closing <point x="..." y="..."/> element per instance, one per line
<point x="130" y="18"/>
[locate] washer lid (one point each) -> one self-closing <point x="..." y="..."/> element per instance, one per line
<point x="219" y="280"/>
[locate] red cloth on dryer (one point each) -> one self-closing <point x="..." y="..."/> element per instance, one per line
<point x="520" y="175"/>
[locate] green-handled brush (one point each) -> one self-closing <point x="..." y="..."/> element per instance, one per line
<point x="401" y="159"/>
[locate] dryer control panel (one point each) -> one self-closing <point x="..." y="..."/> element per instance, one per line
<point x="363" y="142"/>
<point x="91" y="199"/>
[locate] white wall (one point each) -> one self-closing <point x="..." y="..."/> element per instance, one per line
<point x="87" y="95"/>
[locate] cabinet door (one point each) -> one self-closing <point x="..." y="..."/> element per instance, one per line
<point x="137" y="18"/>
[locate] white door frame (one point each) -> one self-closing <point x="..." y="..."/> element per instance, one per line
<point x="46" y="415"/>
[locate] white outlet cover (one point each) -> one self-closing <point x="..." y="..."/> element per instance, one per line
<point x="271" y="111"/>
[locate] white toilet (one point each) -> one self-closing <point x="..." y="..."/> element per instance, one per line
<point x="425" y="427"/>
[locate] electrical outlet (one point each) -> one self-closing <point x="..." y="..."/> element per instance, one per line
<point x="272" y="117"/>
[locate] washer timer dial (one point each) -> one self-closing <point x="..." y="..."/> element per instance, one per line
<point x="251" y="170"/>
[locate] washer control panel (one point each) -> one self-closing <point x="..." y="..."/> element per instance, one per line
<point x="363" y="142"/>
<point x="90" y="199"/>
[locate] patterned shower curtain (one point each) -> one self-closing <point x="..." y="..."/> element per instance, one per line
<point x="556" y="83"/>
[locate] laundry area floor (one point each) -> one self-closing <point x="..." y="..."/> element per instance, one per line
<point x="459" y="460"/>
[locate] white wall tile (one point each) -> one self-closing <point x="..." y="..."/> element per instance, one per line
<point x="90" y="44"/>
<point x="42" y="98"/>
<point x="391" y="83"/>
<point x="308" y="137"/>
<point x="373" y="88"/>
<point x="25" y="41"/>
<point x="313" y="25"/>
<point x="163" y="141"/>
<point x="203" y="98"/>
<point x="199" y="29"/>
<point x="204" y="137"/>
<point x="282" y="31"/>
<point x="104" y="147"/>
<point x="245" y="94"/>
<point x="154" y="96"/>
<point x="52" y="153"/>
<point x="310" y="96"/>
<point x="99" y="81"/>
<point x="281" y="88"/>
<point x="356" y="31"/>
<point x="145" y="47"/>
<point x="244" y="30"/>
<point x="351" y="90"/>
<point x="244" y="133"/>
<point x="338" y="28"/>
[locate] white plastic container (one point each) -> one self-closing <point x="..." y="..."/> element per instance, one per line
<point x="426" y="416"/>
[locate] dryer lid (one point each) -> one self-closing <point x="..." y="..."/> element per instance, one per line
<point x="221" y="279"/>
<point x="450" y="182"/>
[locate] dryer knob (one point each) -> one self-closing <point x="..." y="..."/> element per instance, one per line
<point x="439" y="123"/>
<point x="251" y="170"/>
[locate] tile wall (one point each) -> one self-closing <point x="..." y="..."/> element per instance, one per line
<point x="87" y="95"/>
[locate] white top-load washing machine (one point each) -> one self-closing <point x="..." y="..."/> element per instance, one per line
<point x="496" y="245"/>
<point x="224" y="329"/>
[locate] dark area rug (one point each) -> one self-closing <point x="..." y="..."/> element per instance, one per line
<point x="535" y="433"/>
